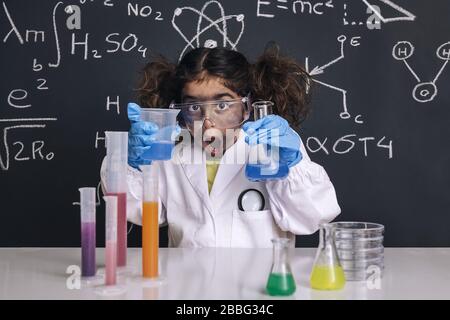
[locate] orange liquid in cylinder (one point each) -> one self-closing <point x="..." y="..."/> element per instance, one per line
<point x="150" y="239"/>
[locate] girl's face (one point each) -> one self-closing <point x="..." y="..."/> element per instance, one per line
<point x="212" y="135"/>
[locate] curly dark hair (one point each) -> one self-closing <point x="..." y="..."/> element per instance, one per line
<point x="273" y="77"/>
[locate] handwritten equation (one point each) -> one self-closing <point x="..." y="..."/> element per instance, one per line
<point x="63" y="30"/>
<point x="63" y="18"/>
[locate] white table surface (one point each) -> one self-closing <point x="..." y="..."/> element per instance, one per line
<point x="208" y="273"/>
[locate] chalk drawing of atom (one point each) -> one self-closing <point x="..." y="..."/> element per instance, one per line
<point x="205" y="24"/>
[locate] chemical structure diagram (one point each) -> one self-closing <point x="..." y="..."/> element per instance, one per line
<point x="219" y="23"/>
<point x="354" y="41"/>
<point x="423" y="91"/>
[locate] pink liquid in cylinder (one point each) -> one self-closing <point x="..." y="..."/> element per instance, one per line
<point x="110" y="263"/>
<point x="121" y="228"/>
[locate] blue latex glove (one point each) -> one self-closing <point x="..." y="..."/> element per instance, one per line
<point x="288" y="140"/>
<point x="141" y="136"/>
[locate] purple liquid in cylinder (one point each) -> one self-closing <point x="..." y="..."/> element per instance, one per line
<point x="88" y="267"/>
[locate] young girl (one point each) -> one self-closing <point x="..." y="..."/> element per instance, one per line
<point x="202" y="201"/>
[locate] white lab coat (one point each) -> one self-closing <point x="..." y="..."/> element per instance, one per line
<point x="295" y="205"/>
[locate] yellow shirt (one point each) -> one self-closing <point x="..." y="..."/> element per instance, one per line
<point x="211" y="171"/>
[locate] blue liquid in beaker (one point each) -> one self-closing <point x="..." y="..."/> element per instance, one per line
<point x="258" y="172"/>
<point x="160" y="150"/>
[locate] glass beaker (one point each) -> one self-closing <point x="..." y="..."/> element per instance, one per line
<point x="281" y="281"/>
<point x="327" y="272"/>
<point x="166" y="120"/>
<point x="263" y="160"/>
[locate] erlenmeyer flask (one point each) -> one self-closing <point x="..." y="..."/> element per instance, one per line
<point x="280" y="282"/>
<point x="264" y="162"/>
<point x="327" y="272"/>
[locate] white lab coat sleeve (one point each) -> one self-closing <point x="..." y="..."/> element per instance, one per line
<point x="304" y="199"/>
<point x="134" y="195"/>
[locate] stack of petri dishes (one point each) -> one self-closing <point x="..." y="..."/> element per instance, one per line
<point x="360" y="249"/>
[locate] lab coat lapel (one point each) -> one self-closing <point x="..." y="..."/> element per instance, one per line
<point x="231" y="163"/>
<point x="194" y="167"/>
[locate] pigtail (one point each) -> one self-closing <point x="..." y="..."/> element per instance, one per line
<point x="156" y="84"/>
<point x="283" y="81"/>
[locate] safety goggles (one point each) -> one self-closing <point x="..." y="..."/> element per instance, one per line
<point x="222" y="114"/>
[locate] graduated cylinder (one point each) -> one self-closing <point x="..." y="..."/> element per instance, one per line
<point x="150" y="223"/>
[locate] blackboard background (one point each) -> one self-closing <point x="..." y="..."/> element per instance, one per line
<point x="409" y="193"/>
